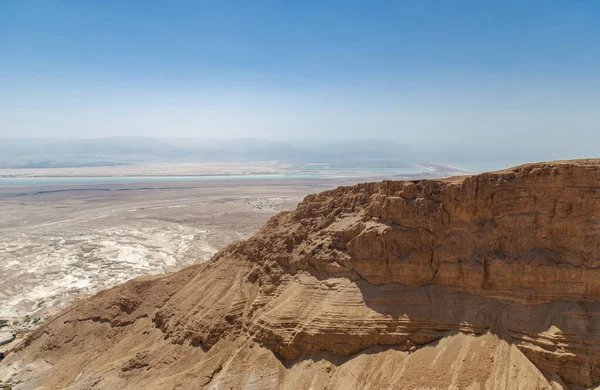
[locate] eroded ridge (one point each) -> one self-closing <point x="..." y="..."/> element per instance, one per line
<point x="490" y="279"/>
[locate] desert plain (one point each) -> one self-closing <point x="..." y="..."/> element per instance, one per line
<point x="71" y="232"/>
<point x="60" y="243"/>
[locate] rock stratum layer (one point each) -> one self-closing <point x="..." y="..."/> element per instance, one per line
<point x="487" y="281"/>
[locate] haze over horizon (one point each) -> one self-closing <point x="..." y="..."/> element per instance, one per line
<point x="507" y="76"/>
<point x="283" y="195"/>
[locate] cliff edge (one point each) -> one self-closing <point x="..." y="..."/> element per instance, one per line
<point x="490" y="281"/>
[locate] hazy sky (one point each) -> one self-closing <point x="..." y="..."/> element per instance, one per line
<point x="465" y="72"/>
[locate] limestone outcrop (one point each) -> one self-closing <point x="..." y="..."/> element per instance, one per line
<point x="490" y="281"/>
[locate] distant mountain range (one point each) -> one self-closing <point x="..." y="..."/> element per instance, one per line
<point x="60" y="153"/>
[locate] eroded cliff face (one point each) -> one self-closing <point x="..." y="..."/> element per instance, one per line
<point x="490" y="280"/>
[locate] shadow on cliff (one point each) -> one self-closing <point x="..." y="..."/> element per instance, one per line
<point x="404" y="318"/>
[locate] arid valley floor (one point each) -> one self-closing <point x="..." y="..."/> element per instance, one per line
<point x="483" y="281"/>
<point x="75" y="231"/>
<point x="61" y="243"/>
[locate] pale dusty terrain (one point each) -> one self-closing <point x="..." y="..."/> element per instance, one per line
<point x="481" y="282"/>
<point x="60" y="243"/>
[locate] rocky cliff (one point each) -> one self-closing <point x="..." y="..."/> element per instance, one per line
<point x="489" y="281"/>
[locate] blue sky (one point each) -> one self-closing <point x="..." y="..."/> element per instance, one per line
<point x="412" y="71"/>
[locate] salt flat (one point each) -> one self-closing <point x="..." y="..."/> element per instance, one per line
<point x="170" y="169"/>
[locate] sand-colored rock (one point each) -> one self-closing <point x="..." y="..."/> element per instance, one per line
<point x="489" y="281"/>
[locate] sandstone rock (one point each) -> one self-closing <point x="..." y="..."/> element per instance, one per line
<point x="490" y="281"/>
